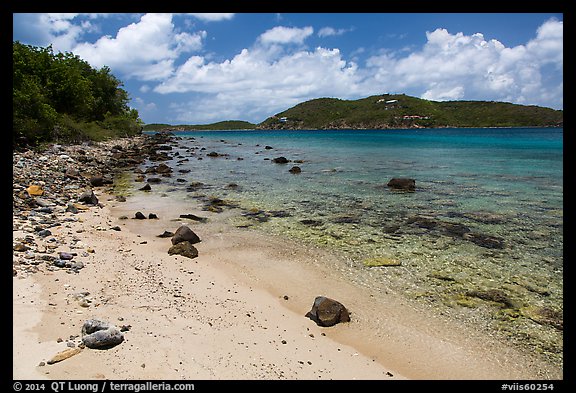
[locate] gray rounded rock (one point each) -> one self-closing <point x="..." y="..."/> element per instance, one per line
<point x="100" y="334"/>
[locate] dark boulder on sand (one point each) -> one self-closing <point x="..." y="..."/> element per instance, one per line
<point x="184" y="248"/>
<point x="194" y="217"/>
<point x="88" y="197"/>
<point x="166" y="234"/>
<point x="184" y="233"/>
<point x="328" y="312"/>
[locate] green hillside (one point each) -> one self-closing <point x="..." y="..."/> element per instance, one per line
<point x="222" y="125"/>
<point x="402" y="111"/>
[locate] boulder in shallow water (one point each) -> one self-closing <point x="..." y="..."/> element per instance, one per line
<point x="280" y="160"/>
<point x="401" y="183"/>
<point x="486" y="241"/>
<point x="544" y="316"/>
<point x="163" y="168"/>
<point x="492" y="295"/>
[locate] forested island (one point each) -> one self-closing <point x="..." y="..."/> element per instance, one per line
<point x="221" y="125"/>
<point x="402" y="111"/>
<point x="390" y="111"/>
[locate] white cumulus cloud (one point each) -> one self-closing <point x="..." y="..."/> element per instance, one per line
<point x="254" y="83"/>
<point x="215" y="17"/>
<point x="458" y="66"/>
<point x="286" y="35"/>
<point x="330" y="31"/>
<point x="145" y="49"/>
<point x="321" y="70"/>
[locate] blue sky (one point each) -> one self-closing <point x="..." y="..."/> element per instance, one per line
<point x="202" y="68"/>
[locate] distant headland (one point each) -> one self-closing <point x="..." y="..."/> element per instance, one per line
<point x="389" y="111"/>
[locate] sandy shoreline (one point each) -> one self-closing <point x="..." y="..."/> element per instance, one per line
<point x="189" y="320"/>
<point x="235" y="312"/>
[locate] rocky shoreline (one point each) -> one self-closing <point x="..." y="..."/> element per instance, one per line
<point x="53" y="186"/>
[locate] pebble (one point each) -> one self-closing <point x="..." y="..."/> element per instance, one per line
<point x="67" y="353"/>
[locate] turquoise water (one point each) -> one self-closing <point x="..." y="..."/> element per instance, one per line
<point x="486" y="216"/>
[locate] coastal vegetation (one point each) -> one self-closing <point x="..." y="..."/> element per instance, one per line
<point x="61" y="98"/>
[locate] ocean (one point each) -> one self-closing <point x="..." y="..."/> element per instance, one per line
<point x="480" y="238"/>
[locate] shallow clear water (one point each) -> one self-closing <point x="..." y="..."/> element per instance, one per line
<point x="487" y="212"/>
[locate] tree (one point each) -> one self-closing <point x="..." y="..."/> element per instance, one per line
<point x="62" y="96"/>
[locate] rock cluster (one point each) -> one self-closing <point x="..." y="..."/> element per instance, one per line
<point x="53" y="186"/>
<point x="182" y="242"/>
